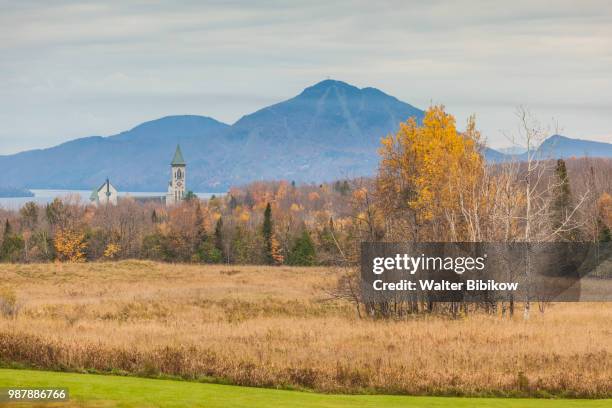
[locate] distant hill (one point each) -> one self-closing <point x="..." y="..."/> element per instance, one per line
<point x="136" y="160"/>
<point x="13" y="192"/>
<point x="558" y="146"/>
<point x="554" y="147"/>
<point x="512" y="150"/>
<point x="329" y="131"/>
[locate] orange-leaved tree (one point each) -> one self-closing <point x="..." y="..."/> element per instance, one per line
<point x="427" y="175"/>
<point x="70" y="245"/>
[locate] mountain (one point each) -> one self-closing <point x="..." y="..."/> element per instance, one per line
<point x="329" y="131"/>
<point x="513" y="150"/>
<point x="558" y="146"/>
<point x="135" y="160"/>
<point x="554" y="147"/>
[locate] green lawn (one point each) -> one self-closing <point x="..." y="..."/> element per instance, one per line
<point x="89" y="390"/>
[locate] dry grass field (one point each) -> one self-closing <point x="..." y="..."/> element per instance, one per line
<point x="275" y="327"/>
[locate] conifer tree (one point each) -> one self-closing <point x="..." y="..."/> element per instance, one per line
<point x="200" y="230"/>
<point x="561" y="202"/>
<point x="12" y="244"/>
<point x="154" y="218"/>
<point x="303" y="251"/>
<point x="190" y="195"/>
<point x="7" y="229"/>
<point x="605" y="235"/>
<point x="233" y="203"/>
<point x="604" y="218"/>
<point x="219" y="235"/>
<point x="267" y="235"/>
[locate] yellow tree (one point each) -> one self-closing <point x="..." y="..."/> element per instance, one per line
<point x="426" y="174"/>
<point x="111" y="250"/>
<point x="276" y="252"/>
<point x="70" y="245"/>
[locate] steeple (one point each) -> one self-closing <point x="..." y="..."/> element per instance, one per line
<point x="178" y="157"/>
<point x="176" y="186"/>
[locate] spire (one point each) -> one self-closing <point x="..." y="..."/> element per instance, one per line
<point x="178" y="157"/>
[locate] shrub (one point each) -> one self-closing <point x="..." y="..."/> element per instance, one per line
<point x="303" y="251"/>
<point x="12" y="248"/>
<point x="206" y="252"/>
<point x="70" y="245"/>
<point x="8" y="303"/>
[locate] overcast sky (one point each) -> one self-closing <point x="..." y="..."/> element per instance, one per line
<point x="73" y="69"/>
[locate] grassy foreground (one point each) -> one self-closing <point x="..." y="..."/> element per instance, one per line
<point x="89" y="390"/>
<point x="276" y="327"/>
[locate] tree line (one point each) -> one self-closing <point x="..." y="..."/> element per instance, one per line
<point x="271" y="223"/>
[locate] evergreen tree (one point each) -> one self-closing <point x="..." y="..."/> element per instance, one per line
<point x="241" y="246"/>
<point x="345" y="188"/>
<point x="207" y="252"/>
<point x="7" y="229"/>
<point x="605" y="235"/>
<point x="205" y="247"/>
<point x="342" y="187"/>
<point x="561" y="202"/>
<point x="303" y="251"/>
<point x="12" y="244"/>
<point x="154" y="218"/>
<point x="190" y="195"/>
<point x="604" y="217"/>
<point x="200" y="230"/>
<point x="233" y="203"/>
<point x="267" y="235"/>
<point x="327" y="238"/>
<point x="219" y="235"/>
<point x="249" y="201"/>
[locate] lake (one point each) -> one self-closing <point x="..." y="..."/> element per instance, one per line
<point x="46" y="196"/>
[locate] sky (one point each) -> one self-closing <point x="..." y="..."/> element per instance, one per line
<point x="74" y="69"/>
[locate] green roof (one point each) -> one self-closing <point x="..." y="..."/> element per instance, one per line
<point x="94" y="195"/>
<point x="178" y="158"/>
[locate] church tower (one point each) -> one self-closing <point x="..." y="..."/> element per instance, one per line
<point x="176" y="185"/>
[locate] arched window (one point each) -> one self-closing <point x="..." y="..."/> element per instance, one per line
<point x="179" y="174"/>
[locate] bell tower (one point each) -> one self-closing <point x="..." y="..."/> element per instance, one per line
<point x="176" y="185"/>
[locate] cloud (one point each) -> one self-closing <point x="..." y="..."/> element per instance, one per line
<point x="71" y="69"/>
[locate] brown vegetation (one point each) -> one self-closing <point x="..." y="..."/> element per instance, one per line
<point x="276" y="327"/>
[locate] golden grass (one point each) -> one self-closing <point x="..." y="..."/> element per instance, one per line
<point x="273" y="326"/>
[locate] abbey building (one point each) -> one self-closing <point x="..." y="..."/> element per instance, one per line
<point x="107" y="193"/>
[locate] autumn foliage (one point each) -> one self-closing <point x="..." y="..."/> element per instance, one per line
<point x="427" y="172"/>
<point x="70" y="246"/>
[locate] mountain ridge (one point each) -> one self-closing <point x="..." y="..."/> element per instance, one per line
<point x="330" y="130"/>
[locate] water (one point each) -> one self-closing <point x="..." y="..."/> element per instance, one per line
<point x="46" y="196"/>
